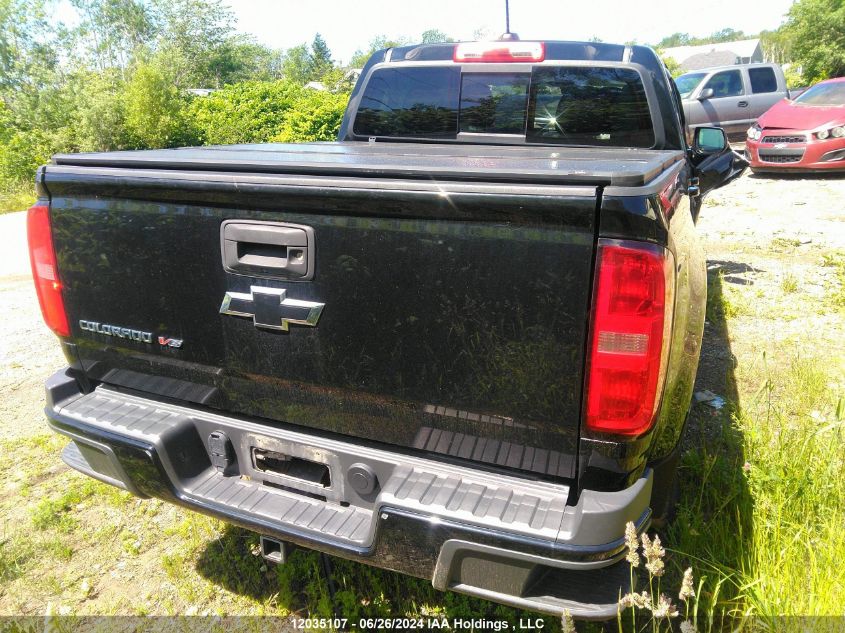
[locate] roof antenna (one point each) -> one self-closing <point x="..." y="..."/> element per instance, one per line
<point x="507" y="35"/>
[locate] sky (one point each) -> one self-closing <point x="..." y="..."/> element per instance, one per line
<point x="347" y="25"/>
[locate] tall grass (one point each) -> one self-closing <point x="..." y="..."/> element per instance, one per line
<point x="794" y="431"/>
<point x="762" y="513"/>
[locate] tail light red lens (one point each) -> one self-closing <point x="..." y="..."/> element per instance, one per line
<point x="629" y="341"/>
<point x="45" y="272"/>
<point x="499" y="52"/>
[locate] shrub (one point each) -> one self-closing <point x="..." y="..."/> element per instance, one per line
<point x="248" y="112"/>
<point x="102" y="112"/>
<point x="155" y="110"/>
<point x="316" y="116"/>
<point x="6" y="129"/>
<point x="22" y="154"/>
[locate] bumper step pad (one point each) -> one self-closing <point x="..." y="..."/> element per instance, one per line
<point x="449" y="493"/>
<point x="328" y="519"/>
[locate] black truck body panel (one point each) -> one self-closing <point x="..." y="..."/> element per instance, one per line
<point x="440" y="334"/>
<point x="400" y="371"/>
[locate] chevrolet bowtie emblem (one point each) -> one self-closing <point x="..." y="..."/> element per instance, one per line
<point x="270" y="308"/>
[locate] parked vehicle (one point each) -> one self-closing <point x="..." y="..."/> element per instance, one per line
<point x="732" y="97"/>
<point x="805" y="134"/>
<point x="460" y="343"/>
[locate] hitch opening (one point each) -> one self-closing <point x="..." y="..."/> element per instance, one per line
<point x="275" y="551"/>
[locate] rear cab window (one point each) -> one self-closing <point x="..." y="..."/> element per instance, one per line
<point x="589" y="106"/>
<point x="494" y="103"/>
<point x="411" y="102"/>
<point x="558" y="105"/>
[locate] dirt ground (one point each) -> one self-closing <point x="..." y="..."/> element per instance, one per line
<point x="768" y="238"/>
<point x="764" y="236"/>
<point x="756" y="209"/>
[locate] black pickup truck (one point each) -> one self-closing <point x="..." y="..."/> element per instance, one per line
<point x="458" y="343"/>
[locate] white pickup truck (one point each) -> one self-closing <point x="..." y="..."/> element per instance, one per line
<point x="731" y="97"/>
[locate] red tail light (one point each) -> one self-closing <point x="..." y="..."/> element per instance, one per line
<point x="500" y="52"/>
<point x="629" y="343"/>
<point x="44" y="269"/>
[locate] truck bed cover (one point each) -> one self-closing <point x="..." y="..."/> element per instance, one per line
<point x="547" y="165"/>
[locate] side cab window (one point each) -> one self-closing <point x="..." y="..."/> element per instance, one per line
<point x="762" y="80"/>
<point x="727" y="83"/>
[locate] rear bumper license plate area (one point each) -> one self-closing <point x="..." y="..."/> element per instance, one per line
<point x="324" y="490"/>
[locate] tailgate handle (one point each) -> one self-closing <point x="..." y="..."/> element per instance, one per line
<point x="268" y="249"/>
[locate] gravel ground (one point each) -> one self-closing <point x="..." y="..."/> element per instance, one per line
<point x="754" y="210"/>
<point x="767" y="234"/>
<point x="29" y="352"/>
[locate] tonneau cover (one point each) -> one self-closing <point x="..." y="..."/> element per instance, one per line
<point x="550" y="165"/>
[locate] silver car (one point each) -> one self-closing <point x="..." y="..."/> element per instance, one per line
<point x="731" y="97"/>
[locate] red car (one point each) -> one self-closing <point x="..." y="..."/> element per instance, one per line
<point x="805" y="134"/>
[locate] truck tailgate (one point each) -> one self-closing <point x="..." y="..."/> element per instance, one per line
<point x="454" y="309"/>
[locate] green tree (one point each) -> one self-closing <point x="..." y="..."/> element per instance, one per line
<point x="192" y="40"/>
<point x="29" y="64"/>
<point x="154" y="109"/>
<point x="360" y="57"/>
<point x="338" y="80"/>
<point x="296" y="64"/>
<point x="433" y="36"/>
<point x="725" y="35"/>
<point x="23" y="27"/>
<point x="380" y="42"/>
<point x="240" y="58"/>
<point x="22" y="154"/>
<point x="685" y="39"/>
<point x="676" y="39"/>
<point x="36" y="106"/>
<point x="816" y="33"/>
<point x="320" y="61"/>
<point x="777" y="46"/>
<point x="100" y="110"/>
<point x="111" y="32"/>
<point x="672" y="66"/>
<point x="6" y="129"/>
<point x="117" y="79"/>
